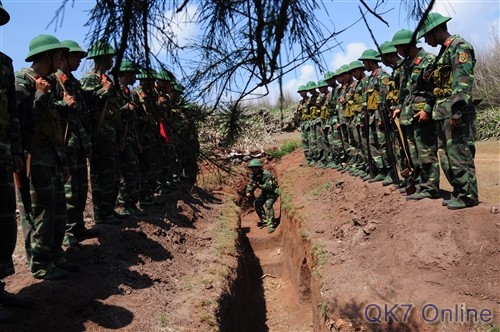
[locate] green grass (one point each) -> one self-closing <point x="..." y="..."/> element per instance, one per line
<point x="226" y="229"/>
<point x="286" y="148"/>
<point x="319" y="190"/>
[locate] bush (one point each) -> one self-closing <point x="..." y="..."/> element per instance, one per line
<point x="488" y="124"/>
<point x="286" y="148"/>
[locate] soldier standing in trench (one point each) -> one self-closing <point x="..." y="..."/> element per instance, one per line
<point x="266" y="182"/>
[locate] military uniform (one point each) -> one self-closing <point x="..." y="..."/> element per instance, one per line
<point x="148" y="124"/>
<point x="268" y="185"/>
<point x="373" y="100"/>
<point x="453" y="78"/>
<point x="77" y="141"/>
<point x="104" y="111"/>
<point x="43" y="206"/>
<point x="10" y="145"/>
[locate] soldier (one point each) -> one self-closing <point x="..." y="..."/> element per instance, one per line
<point x="373" y="100"/>
<point x="334" y="139"/>
<point x="10" y="161"/>
<point x="148" y="116"/>
<point x="102" y="100"/>
<point x="266" y="182"/>
<point x="313" y="121"/>
<point x="303" y="115"/>
<point x="322" y="134"/>
<point x="77" y="141"/>
<point x="129" y="163"/>
<point x="390" y="58"/>
<point x="418" y="112"/>
<point x="357" y="70"/>
<point x="454" y="110"/>
<point x="43" y="209"/>
<point x="346" y="115"/>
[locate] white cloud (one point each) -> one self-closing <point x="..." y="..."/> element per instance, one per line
<point x="475" y="20"/>
<point x="352" y="52"/>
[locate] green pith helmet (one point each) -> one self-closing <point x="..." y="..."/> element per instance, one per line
<point x="432" y="21"/>
<point x="99" y="49"/>
<point x="402" y="37"/>
<point x="386" y="48"/>
<point x="311" y="85"/>
<point x="301" y="88"/>
<point x="369" y="54"/>
<point x="355" y="65"/>
<point x="127" y="65"/>
<point x="164" y="74"/>
<point x="74" y="47"/>
<point x="4" y="16"/>
<point x="147" y="74"/>
<point x="328" y="75"/>
<point x="178" y="87"/>
<point x="43" y="43"/>
<point x="322" y="83"/>
<point x="255" y="163"/>
<point x="342" y="70"/>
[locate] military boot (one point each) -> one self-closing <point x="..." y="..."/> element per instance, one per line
<point x="378" y="177"/>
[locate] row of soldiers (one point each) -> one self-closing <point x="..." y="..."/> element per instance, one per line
<point x="382" y="126"/>
<point x="137" y="141"/>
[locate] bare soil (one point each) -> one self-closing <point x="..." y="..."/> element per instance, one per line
<point x="342" y="244"/>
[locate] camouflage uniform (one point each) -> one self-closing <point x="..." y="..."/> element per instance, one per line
<point x="129" y="163"/>
<point x="332" y="125"/>
<point x="373" y="100"/>
<point x="314" y="122"/>
<point x="104" y="109"/>
<point x="148" y="117"/>
<point x="10" y="145"/>
<point x="420" y="98"/>
<point x="453" y="79"/>
<point x="78" y="145"/>
<point x="269" y="194"/>
<point x="43" y="207"/>
<point x="359" y="157"/>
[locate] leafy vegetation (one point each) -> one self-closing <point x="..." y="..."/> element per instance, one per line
<point x="286" y="148"/>
<point x="488" y="124"/>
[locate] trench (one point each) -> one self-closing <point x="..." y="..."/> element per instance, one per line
<point x="275" y="288"/>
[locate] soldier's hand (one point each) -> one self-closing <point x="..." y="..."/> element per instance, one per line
<point x="42" y="85"/>
<point x="395" y="113"/>
<point x="70" y="100"/>
<point x="421" y="116"/>
<point x="130" y="106"/>
<point x="249" y="195"/>
<point x="105" y="84"/>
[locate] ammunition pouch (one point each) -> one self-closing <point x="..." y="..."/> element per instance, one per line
<point x="372" y="103"/>
<point x="443" y="79"/>
<point x="323" y="114"/>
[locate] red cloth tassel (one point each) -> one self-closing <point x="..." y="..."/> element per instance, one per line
<point x="163" y="132"/>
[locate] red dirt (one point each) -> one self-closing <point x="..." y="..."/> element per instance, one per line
<point x="343" y="244"/>
<point x="149" y="274"/>
<point x="373" y="247"/>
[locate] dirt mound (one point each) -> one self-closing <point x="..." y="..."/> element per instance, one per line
<point x="374" y="251"/>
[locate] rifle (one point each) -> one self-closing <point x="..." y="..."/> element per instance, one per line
<point x="371" y="167"/>
<point x="104" y="111"/>
<point x="384" y="115"/>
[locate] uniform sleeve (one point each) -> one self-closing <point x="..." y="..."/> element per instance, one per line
<point x="463" y="78"/>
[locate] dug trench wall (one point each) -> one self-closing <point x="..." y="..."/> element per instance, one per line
<point x="367" y="259"/>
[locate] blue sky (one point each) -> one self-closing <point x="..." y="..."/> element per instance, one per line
<point x="476" y="20"/>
